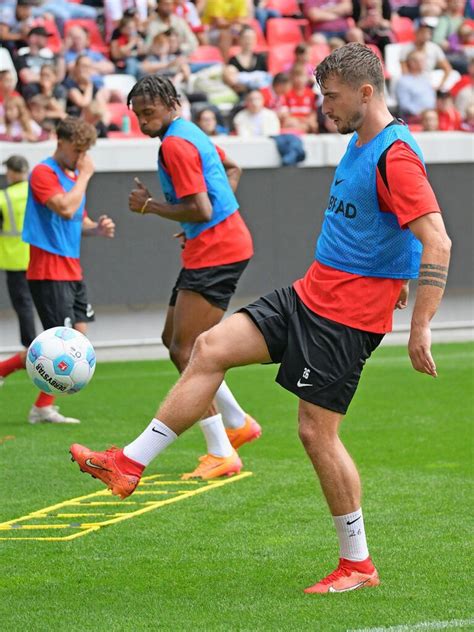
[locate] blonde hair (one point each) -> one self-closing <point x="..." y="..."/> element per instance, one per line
<point x="24" y="116"/>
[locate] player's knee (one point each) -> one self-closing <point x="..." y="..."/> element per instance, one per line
<point x="207" y="350"/>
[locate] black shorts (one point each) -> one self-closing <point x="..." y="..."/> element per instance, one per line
<point x="216" y="284"/>
<point x="320" y="360"/>
<point x="61" y="303"/>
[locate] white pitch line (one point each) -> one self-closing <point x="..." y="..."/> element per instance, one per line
<point x="423" y="625"/>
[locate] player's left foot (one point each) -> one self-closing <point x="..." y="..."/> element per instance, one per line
<point x="112" y="467"/>
<point x="49" y="414"/>
<point x="250" y="431"/>
<point x="347" y="576"/>
<point x="211" y="466"/>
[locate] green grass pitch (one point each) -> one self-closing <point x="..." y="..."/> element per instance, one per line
<point x="238" y="557"/>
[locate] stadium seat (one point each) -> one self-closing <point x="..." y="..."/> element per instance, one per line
<point x="117" y="111"/>
<point x="318" y="52"/>
<point x="207" y="54"/>
<point x="402" y="28"/>
<point x="283" y="31"/>
<point x="279" y="57"/>
<point x="285" y="7"/>
<point x="119" y="83"/>
<point x="95" y="37"/>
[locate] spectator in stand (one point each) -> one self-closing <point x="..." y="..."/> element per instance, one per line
<point x="165" y="58"/>
<point x="430" y="120"/>
<point x="7" y="85"/>
<point x="248" y="69"/>
<point x="328" y="18"/>
<point x="463" y="91"/>
<point x="127" y="47"/>
<point x="225" y="19"/>
<point x="96" y="115"/>
<point x="263" y="13"/>
<point x="468" y="123"/>
<point x="206" y="119"/>
<point x="406" y="8"/>
<point x="432" y="10"/>
<point x="115" y="10"/>
<point x="81" y="89"/>
<point x="16" y="22"/>
<point x="373" y="18"/>
<point x="449" y="23"/>
<point x="274" y="95"/>
<point x="255" y="119"/>
<point x="164" y="20"/>
<point x="449" y="118"/>
<point x="63" y="10"/>
<point x="414" y="91"/>
<point x="433" y="53"/>
<point x="48" y="86"/>
<point x="461" y="47"/>
<point x="335" y="42"/>
<point x="77" y="43"/>
<point x="303" y="55"/>
<point x="299" y="103"/>
<point x="17" y="124"/>
<point x="32" y="57"/>
<point x="45" y="113"/>
<point x="189" y="13"/>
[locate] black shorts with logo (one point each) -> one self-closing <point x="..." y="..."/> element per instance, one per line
<point x="61" y="303"/>
<point x="320" y="360"/>
<point x="216" y="284"/>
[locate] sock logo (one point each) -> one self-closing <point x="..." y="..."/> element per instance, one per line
<point x="159" y="432"/>
<point x="352" y="521"/>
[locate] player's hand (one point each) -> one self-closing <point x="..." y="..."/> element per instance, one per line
<point x="105" y="227"/>
<point x="182" y="237"/>
<point x="402" y="300"/>
<point x="84" y="165"/>
<point x="419" y="350"/>
<point x="138" y="196"/>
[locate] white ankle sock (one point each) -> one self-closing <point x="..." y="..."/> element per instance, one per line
<point x="232" y="414"/>
<point x="351" y="534"/>
<point x="217" y="440"/>
<point x="153" y="440"/>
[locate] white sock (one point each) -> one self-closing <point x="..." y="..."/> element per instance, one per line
<point x="351" y="534"/>
<point x="153" y="440"/>
<point x="217" y="440"/>
<point x="232" y="414"/>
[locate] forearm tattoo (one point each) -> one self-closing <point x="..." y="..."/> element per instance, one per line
<point x="433" y="274"/>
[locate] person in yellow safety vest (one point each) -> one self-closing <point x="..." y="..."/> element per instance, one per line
<point x="15" y="253"/>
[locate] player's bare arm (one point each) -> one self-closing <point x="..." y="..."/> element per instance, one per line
<point x="103" y="227"/>
<point x="66" y="204"/>
<point x="430" y="230"/>
<point x="233" y="172"/>
<point x="192" y="208"/>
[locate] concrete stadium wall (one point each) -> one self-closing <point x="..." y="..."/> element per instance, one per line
<point x="283" y="208"/>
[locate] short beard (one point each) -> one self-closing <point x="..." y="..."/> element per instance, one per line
<point x="352" y="124"/>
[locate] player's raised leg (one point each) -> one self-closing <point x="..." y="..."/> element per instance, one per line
<point x="234" y="342"/>
<point x="340" y="482"/>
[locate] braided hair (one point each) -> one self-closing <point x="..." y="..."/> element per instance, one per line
<point x="155" y="87"/>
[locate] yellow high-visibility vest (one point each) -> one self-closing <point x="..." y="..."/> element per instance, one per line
<point x="14" y="253"/>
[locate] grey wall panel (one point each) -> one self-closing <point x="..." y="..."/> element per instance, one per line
<point x="283" y="208"/>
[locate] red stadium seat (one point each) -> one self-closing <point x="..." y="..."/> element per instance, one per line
<point x="279" y="57"/>
<point x="117" y="111"/>
<point x="95" y="37"/>
<point x="403" y="28"/>
<point x="207" y="54"/>
<point x="285" y="7"/>
<point x="283" y="31"/>
<point x="318" y="52"/>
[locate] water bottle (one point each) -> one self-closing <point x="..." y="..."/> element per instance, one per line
<point x="126" y="124"/>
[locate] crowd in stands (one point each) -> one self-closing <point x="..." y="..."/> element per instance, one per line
<point x="243" y="67"/>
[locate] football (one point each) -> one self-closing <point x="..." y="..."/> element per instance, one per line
<point x="60" y="361"/>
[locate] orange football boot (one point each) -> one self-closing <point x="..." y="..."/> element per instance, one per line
<point x="347" y="576"/>
<point x="211" y="466"/>
<point x="250" y="431"/>
<point x="107" y="466"/>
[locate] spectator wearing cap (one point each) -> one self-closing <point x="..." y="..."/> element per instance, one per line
<point x="433" y="53"/>
<point x="77" y="43"/>
<point x="255" y="119"/>
<point x="36" y="54"/>
<point x="16" y="20"/>
<point x="14" y="253"/>
<point x="164" y="20"/>
<point x="414" y="91"/>
<point x="449" y="118"/>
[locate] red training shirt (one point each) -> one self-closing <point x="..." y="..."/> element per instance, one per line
<point x="358" y="301"/>
<point x="46" y="265"/>
<point x="227" y="242"/>
<point x="300" y="104"/>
